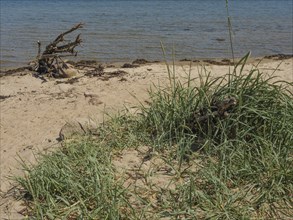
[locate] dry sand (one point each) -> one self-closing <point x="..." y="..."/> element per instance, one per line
<point x="33" y="111"/>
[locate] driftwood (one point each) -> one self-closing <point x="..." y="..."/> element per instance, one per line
<point x="50" y="61"/>
<point x="218" y="109"/>
<point x="205" y="121"/>
<point x="200" y="120"/>
<point x="3" y="97"/>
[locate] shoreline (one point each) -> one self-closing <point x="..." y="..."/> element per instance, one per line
<point x="142" y="61"/>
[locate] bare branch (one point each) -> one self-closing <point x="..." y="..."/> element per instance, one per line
<point x="52" y="46"/>
<point x="61" y="36"/>
<point x="39" y="49"/>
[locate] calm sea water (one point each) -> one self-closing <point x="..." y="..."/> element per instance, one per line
<point x="125" y="30"/>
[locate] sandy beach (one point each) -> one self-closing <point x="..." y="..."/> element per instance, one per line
<point x="33" y="110"/>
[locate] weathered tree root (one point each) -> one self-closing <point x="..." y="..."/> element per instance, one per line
<point x="50" y="61"/>
<point x="219" y="109"/>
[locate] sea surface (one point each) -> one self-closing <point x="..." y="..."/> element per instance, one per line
<point x="126" y="30"/>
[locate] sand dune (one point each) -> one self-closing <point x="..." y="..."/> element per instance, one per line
<point x="33" y="111"/>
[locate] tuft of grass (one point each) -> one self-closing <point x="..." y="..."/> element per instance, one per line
<point x="263" y="109"/>
<point x="251" y="149"/>
<point x="75" y="182"/>
<point x="242" y="160"/>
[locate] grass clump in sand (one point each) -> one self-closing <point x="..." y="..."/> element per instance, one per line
<point x="215" y="162"/>
<point x="76" y="182"/>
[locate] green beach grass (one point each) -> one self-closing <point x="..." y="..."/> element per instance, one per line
<point x="237" y="165"/>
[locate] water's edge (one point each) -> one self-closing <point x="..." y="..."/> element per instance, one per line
<point x="122" y="31"/>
